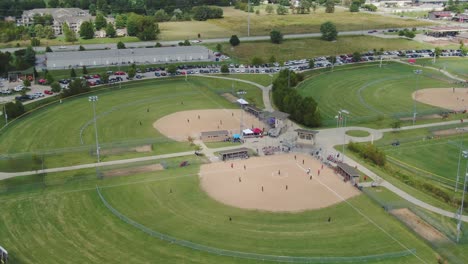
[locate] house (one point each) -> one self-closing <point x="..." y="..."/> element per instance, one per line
<point x="437" y="15"/>
<point x="74" y="17"/>
<point x="100" y="33"/>
<point x="121" y="32"/>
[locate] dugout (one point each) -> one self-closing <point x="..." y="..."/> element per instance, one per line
<point x="240" y="153"/>
<point x="3" y="255"/>
<point x="348" y="172"/>
<point x="306" y="136"/>
<point x="215" y="136"/>
<point x="253" y="110"/>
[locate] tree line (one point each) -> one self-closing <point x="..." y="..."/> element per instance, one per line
<point x="146" y="7"/>
<point x="303" y="110"/>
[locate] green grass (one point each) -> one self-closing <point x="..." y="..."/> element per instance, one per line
<point x="119" y="112"/>
<point x="457" y="66"/>
<point x="374" y="96"/>
<point x="235" y="21"/>
<point x="59" y="41"/>
<point x="300" y="48"/>
<point x="68" y="222"/>
<point x="357" y="133"/>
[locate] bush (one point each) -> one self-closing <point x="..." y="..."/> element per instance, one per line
<point x="368" y="151"/>
<point x="276" y="37"/>
<point x="120" y="45"/>
<point x="202" y="13"/>
<point x="329" y="32"/>
<point x="14" y="109"/>
<point x="55" y="87"/>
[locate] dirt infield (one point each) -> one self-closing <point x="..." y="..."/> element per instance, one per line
<point x="419" y="226"/>
<point x="286" y="185"/>
<point x="455" y="99"/>
<point x="179" y="126"/>
<point x="133" y="170"/>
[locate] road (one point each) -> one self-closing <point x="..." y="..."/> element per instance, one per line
<point x="143" y="44"/>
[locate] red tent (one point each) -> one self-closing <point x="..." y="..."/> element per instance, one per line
<point x="257" y="131"/>
<point x="412" y="61"/>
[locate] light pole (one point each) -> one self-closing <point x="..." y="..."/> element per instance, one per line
<point x="417" y="72"/>
<point x="248" y="19"/>
<point x="94" y="99"/>
<point x="343" y="113"/>
<point x="459" y="158"/>
<point x="460" y="211"/>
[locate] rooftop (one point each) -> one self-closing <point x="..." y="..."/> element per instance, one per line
<point x="348" y="169"/>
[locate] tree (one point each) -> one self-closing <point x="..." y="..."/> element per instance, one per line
<point x="219" y="47"/>
<point x="463" y="48"/>
<point x="410" y="34"/>
<point x="55" y="87"/>
<point x="14" y="109"/>
<point x="328" y="30"/>
<point x="30" y="56"/>
<point x="70" y="35"/>
<point x="437" y="52"/>
<point x="314" y="6"/>
<point x="396" y="124"/>
<point x="84" y="70"/>
<point x="370" y="7"/>
<point x="27" y="83"/>
<point x="48" y="49"/>
<point x="158" y="45"/>
<point x="120" y="45"/>
<point x="131" y="72"/>
<point x="49" y="32"/>
<point x="171" y="69"/>
<point x="120" y="21"/>
<point x="86" y="30"/>
<point x="81" y="48"/>
<point x="311" y="63"/>
<point x="161" y="16"/>
<point x="52" y="3"/>
<point x="224" y="68"/>
<point x="330" y="6"/>
<point x="39" y="31"/>
<point x="110" y="30"/>
<point x="49" y="78"/>
<point x="77" y="86"/>
<point x="269" y="9"/>
<point x="356" y="56"/>
<point x="72" y="73"/>
<point x="234" y="40"/>
<point x="105" y="77"/>
<point x="100" y="21"/>
<point x="35" y="42"/>
<point x="276" y="37"/>
<point x="354" y="7"/>
<point x="281" y="10"/>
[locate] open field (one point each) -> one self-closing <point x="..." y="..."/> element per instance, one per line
<point x="79" y="228"/>
<point x="313" y="47"/>
<point x="371" y="93"/>
<point x="125" y="120"/>
<point x="235" y="21"/>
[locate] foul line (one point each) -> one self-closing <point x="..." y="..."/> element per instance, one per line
<point x="365" y="216"/>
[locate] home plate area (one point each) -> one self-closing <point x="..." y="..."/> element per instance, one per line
<point x="278" y="183"/>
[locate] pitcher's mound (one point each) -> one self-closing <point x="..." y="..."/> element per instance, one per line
<point x="180" y="125"/>
<point x="286" y="185"/>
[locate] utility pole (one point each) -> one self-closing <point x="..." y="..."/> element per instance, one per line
<point x="417" y="72"/>
<point x="248" y="19"/>
<point x="94" y="99"/>
<point x="460" y="212"/>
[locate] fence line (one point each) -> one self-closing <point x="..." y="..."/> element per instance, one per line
<point x="247" y="255"/>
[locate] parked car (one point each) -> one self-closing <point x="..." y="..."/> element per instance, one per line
<point x="48" y="92"/>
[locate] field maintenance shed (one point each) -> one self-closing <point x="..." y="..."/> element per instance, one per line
<point x="240" y="153"/>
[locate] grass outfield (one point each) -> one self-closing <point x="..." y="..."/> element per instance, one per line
<point x="435" y="158"/>
<point x="372" y="95"/>
<point x="457" y="66"/>
<point x="301" y="48"/>
<point x="71" y="223"/>
<point x="119" y="115"/>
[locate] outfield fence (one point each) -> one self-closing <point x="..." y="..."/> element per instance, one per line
<point x="247" y="255"/>
<point x="445" y="225"/>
